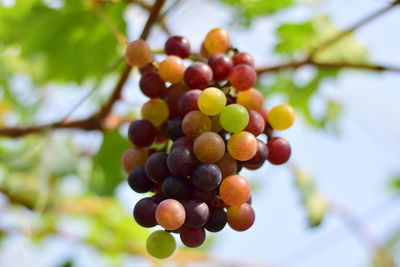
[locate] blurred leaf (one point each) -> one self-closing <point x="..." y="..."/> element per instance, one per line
<point x="295" y="37"/>
<point x="107" y="172"/>
<point x="57" y="42"/>
<point x="67" y="264"/>
<point x="395" y="182"/>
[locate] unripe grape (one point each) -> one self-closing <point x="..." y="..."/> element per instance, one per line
<point x="211" y="101"/>
<point x="160" y="244"/>
<point x="234" y="118"/>
<point x="138" y="53"/>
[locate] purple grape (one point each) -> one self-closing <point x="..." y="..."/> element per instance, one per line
<point x="217" y="220"/>
<point x="141" y="133"/>
<point x="243" y="58"/>
<point x="156" y="167"/>
<point x="152" y="86"/>
<point x="260" y="156"/>
<point x="206" y="196"/>
<point x="138" y="180"/>
<point x="206" y="177"/>
<point x="174" y="128"/>
<point x="144" y="212"/>
<point x="197" y="213"/>
<point x="178" y="46"/>
<point x="183" y="141"/>
<point x="188" y="101"/>
<point x="176" y="187"/>
<point x="181" y="161"/>
<point x="221" y="66"/>
<point x="147" y="68"/>
<point x="198" y="75"/>
<point x="192" y="237"/>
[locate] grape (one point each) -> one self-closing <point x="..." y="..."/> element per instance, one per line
<point x="156" y="167"/>
<point x="178" y="46"/>
<point x="183" y="141"/>
<point x="256" y="123"/>
<point x="138" y="180"/>
<point x="217" y="41"/>
<point x="211" y="101"/>
<point x="198" y="75"/>
<point x="221" y="66"/>
<point x="138" y="53"/>
<point x="234" y="118"/>
<point x="215" y="124"/>
<point x="281" y="117"/>
<point x="242" y="77"/>
<point x="206" y="177"/>
<point x="141" y="133"/>
<point x="260" y="156"/>
<point x="251" y="99"/>
<point x="195" y="123"/>
<point x="209" y="147"/>
<point x="192" y="237"/>
<point x="243" y="58"/>
<point x="174" y="128"/>
<point x="176" y="188"/>
<point x="188" y="101"/>
<point x="174" y="93"/>
<point x="252" y="166"/>
<point x="133" y="157"/>
<point x="151" y="85"/>
<point x="278" y="150"/>
<point x="264" y="113"/>
<point x="249" y="200"/>
<point x="203" y="51"/>
<point x="217" y="220"/>
<point x="240" y="218"/>
<point x="156" y="111"/>
<point x="170" y="214"/>
<point x="242" y="146"/>
<point x="181" y="161"/>
<point x="160" y="244"/>
<point x="227" y="165"/>
<point x="144" y="212"/>
<point x="197" y="213"/>
<point x="205" y="196"/>
<point x="234" y="190"/>
<point x="150" y="67"/>
<point x="172" y="69"/>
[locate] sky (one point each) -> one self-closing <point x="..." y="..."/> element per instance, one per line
<point x="352" y="169"/>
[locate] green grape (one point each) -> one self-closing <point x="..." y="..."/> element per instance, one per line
<point x="211" y="101"/>
<point x="281" y="117"/>
<point x="156" y="111"/>
<point x="234" y="118"/>
<point x="160" y="244"/>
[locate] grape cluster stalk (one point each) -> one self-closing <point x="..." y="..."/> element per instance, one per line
<point x="197" y="131"/>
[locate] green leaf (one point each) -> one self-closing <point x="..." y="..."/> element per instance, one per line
<point x="295" y="38"/>
<point x="107" y="172"/>
<point x="69" y="44"/>
<point x="395" y="182"/>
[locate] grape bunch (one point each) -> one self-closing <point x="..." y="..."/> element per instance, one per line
<point x="200" y="127"/>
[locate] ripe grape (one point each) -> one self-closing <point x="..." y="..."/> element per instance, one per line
<point x="133" y="157"/>
<point x="174" y="128"/>
<point x="217" y="220"/>
<point x="278" y="150"/>
<point x="256" y="123"/>
<point x="138" y="180"/>
<point x="174" y="93"/>
<point x="227" y="165"/>
<point x="156" y="111"/>
<point x="264" y="113"/>
<point x="160" y="244"/>
<point x="141" y="133"/>
<point x="151" y="85"/>
<point x="156" y="167"/>
<point x="217" y="41"/>
<point x="178" y="46"/>
<point x="242" y="77"/>
<point x="215" y="124"/>
<point x="243" y="58"/>
<point x="242" y="146"/>
<point x="252" y="166"/>
<point x="138" y="53"/>
<point x="203" y="51"/>
<point x="172" y="69"/>
<point x="260" y="156"/>
<point x="144" y="212"/>
<point x="197" y="213"/>
<point x="206" y="177"/>
<point x="251" y="99"/>
<point x="240" y="217"/>
<point x="183" y="141"/>
<point x="211" y="101"/>
<point x="170" y="214"/>
<point x="281" y="117"/>
<point x="198" y="75"/>
<point x="234" y="190"/>
<point x="192" y="237"/>
<point x="181" y="161"/>
<point x="209" y="147"/>
<point x="221" y="66"/>
<point x="205" y="196"/>
<point x="195" y="123"/>
<point x="176" y="188"/>
<point x="234" y="118"/>
<point x="149" y="67"/>
<point x="188" y="101"/>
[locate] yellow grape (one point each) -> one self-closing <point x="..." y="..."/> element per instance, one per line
<point x="211" y="101"/>
<point x="172" y="69"/>
<point x="156" y="111"/>
<point x="281" y="117"/>
<point x="217" y="41"/>
<point x="138" y="53"/>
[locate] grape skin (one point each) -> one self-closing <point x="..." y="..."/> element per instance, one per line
<point x="197" y="213"/>
<point x="144" y="212"/>
<point x="240" y="218"/>
<point x="192" y="237"/>
<point x="178" y="46"/>
<point x="234" y="190"/>
<point x="206" y="177"/>
<point x="160" y="244"/>
<point x="195" y="123"/>
<point x="242" y="146"/>
<point x="209" y="147"/>
<point x="138" y="53"/>
<point x="170" y="214"/>
<point x="133" y="157"/>
<point x="242" y="77"/>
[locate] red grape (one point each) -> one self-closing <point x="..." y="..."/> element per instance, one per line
<point x="178" y="46"/>
<point x="198" y="75"/>
<point x="221" y="66"/>
<point x="278" y="150"/>
<point x="242" y="77"/>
